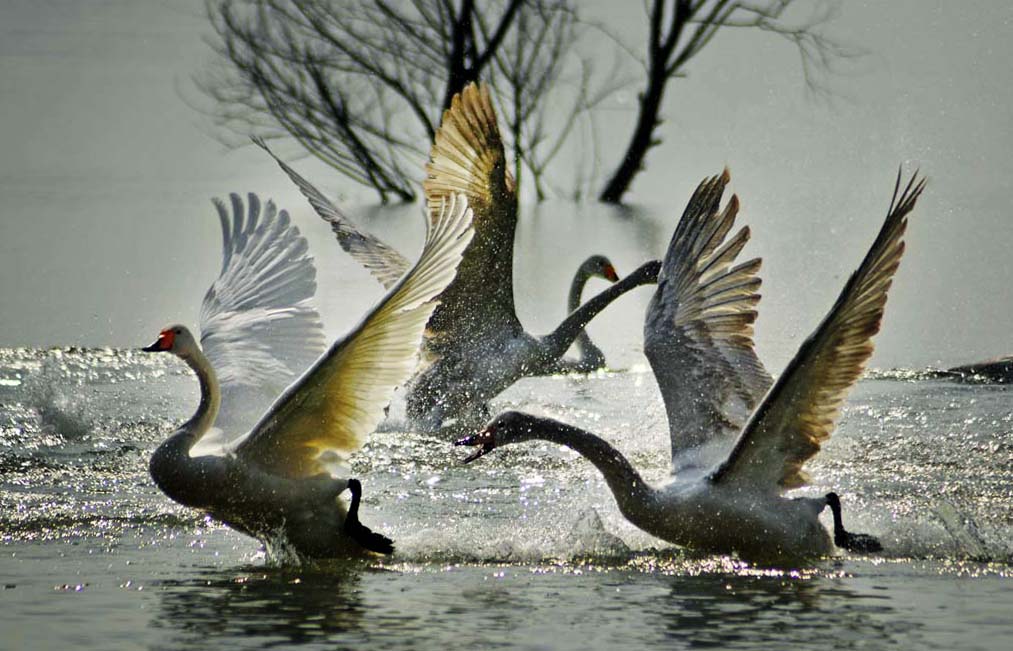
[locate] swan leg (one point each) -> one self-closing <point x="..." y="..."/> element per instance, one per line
<point x="360" y="533"/>
<point x="861" y="543"/>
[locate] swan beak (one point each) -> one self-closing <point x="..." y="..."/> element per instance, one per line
<point x="162" y="344"/>
<point x="483" y="440"/>
<point x="610" y="274"/>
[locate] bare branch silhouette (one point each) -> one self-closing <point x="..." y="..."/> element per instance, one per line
<point x="362" y="84"/>
<point x="678" y="30"/>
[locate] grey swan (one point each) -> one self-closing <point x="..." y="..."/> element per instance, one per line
<point x="726" y="494"/>
<point x="280" y="480"/>
<point x="590" y="358"/>
<point x="475" y="345"/>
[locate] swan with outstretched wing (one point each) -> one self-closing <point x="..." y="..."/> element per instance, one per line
<point x="475" y="344"/>
<point x="280" y="481"/>
<point x="733" y="501"/>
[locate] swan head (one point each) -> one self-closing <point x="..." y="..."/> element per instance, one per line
<point x="601" y="267"/>
<point x="507" y="428"/>
<point x="175" y="339"/>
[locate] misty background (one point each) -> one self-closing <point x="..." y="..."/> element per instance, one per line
<point x="107" y="232"/>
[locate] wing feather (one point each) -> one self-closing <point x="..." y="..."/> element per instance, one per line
<point x="468" y="157"/>
<point x="799" y="412"/>
<point x="382" y="261"/>
<point x="258" y="325"/>
<point x="699" y="325"/>
<point x="327" y="414"/>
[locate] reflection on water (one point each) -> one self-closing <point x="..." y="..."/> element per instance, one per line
<point x="265" y="607"/>
<point x="738" y="611"/>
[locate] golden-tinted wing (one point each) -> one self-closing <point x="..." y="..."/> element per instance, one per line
<point x="698" y="331"/>
<point x="799" y="412"/>
<point x="383" y="262"/>
<point x="468" y="157"/>
<point x="327" y="413"/>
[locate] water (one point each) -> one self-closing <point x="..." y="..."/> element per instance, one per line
<point x="522" y="549"/>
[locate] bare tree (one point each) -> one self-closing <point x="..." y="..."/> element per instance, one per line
<point x="362" y="84"/>
<point x="679" y="30"/>
<point x="547" y="87"/>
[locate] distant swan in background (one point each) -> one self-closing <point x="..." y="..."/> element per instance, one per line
<point x="475" y="345"/>
<point x="998" y="370"/>
<point x="278" y="482"/>
<point x="726" y="496"/>
<point x="589" y="357"/>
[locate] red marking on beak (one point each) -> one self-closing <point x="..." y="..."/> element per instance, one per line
<point x="166" y="339"/>
<point x="163" y="343"/>
<point x="610" y="273"/>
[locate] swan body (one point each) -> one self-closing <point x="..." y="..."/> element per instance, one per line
<point x="726" y="492"/>
<point x="688" y="510"/>
<point x="461" y="381"/>
<point x="280" y="481"/>
<point x="475" y="345"/>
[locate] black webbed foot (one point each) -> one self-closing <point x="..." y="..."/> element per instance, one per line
<point x="360" y="533"/>
<point x="861" y="543"/>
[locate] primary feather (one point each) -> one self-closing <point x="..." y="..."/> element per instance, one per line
<point x="800" y="411"/>
<point x="698" y="331"/>
<point x="386" y="264"/>
<point x="340" y="400"/>
<point x="258" y="325"/>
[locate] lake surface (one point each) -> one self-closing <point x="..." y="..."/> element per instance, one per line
<point x="523" y="549"/>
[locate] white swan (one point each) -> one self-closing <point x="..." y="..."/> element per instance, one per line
<point x="475" y="346"/>
<point x="727" y="496"/>
<point x="278" y="481"/>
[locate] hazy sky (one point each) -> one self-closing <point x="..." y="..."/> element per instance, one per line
<point x="106" y="231"/>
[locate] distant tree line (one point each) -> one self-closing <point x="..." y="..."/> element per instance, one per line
<point x="361" y="84"/>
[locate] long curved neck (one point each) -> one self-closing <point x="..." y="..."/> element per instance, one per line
<point x="584" y="344"/>
<point x="210" y="400"/>
<point x="188" y="480"/>
<point x="210" y="394"/>
<point x="626" y="484"/>
<point x="176" y="473"/>
<point x="555" y="343"/>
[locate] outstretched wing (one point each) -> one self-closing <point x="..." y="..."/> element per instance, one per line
<point x="386" y="264"/>
<point x="799" y="412"/>
<point x="327" y="414"/>
<point x="467" y="157"/>
<point x="698" y="332"/>
<point x="258" y="326"/>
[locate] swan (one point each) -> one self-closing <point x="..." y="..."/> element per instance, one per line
<point x="386" y="265"/>
<point x="726" y="495"/>
<point x="280" y="481"/>
<point x="589" y="356"/>
<point x="475" y="345"/>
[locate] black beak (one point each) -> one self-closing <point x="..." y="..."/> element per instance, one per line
<point x="483" y="440"/>
<point x="155" y="347"/>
